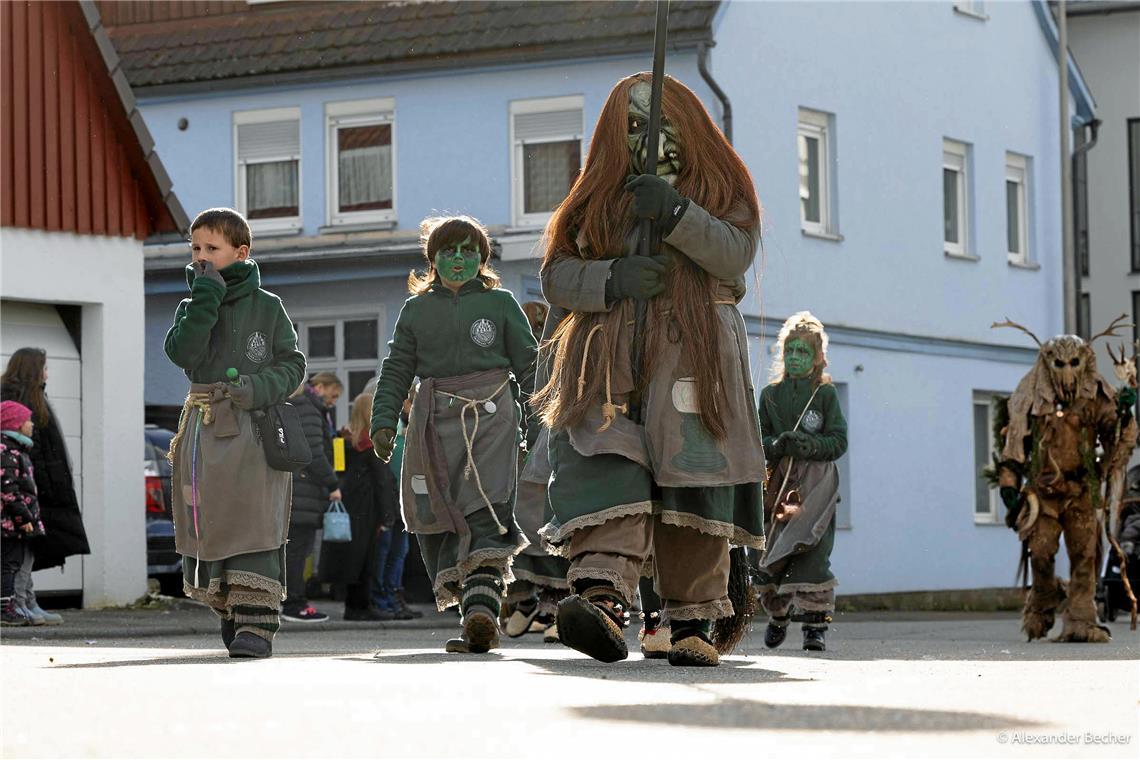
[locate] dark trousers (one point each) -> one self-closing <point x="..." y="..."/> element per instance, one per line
<point x="11" y="557"/>
<point x="297" y="551"/>
<point x="391" y="552"/>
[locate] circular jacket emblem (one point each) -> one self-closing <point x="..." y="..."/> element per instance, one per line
<point x="813" y="421"/>
<point x="483" y="332"/>
<point x="257" y="348"/>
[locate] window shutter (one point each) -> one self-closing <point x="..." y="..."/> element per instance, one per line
<point x="268" y="140"/>
<point x="547" y="125"/>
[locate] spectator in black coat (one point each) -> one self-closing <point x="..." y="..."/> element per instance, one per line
<point x="371" y="498"/>
<point x="313" y="489"/>
<point x="24" y="381"/>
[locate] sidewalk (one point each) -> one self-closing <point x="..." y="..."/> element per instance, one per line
<point x="184" y="616"/>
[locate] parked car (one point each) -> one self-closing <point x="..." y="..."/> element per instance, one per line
<point x="162" y="561"/>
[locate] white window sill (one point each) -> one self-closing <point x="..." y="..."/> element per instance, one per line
<point x="971" y="14"/>
<point x="821" y="235"/>
<point x="276" y="232"/>
<point x="988" y="521"/>
<point x="1030" y="266"/>
<point x="961" y="256"/>
<point x="378" y="226"/>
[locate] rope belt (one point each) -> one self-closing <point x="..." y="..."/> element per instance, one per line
<point x="474" y="404"/>
<point x="609" y="409"/>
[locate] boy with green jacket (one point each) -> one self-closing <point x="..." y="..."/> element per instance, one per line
<point x="238" y="348"/>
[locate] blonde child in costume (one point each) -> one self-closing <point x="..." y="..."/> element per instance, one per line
<point x="231" y="511"/>
<point x="463" y="337"/>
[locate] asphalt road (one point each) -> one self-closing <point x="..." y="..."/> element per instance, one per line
<point x="938" y="685"/>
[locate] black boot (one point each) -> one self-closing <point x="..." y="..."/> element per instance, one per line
<point x="592" y="622"/>
<point x="813" y="639"/>
<point x="247" y="644"/>
<point x="229" y="630"/>
<point x="776" y="632"/>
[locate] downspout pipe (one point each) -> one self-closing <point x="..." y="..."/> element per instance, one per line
<point x="725" y="103"/>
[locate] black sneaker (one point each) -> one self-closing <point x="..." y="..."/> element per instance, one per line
<point x="305" y="615"/>
<point x="11" y="618"/>
<point x="250" y="645"/>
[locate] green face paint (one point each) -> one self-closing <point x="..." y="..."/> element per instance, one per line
<point x="458" y="264"/>
<point x="668" y="150"/>
<point x="799" y="358"/>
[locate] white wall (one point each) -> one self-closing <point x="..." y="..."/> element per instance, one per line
<point x="103" y="275"/>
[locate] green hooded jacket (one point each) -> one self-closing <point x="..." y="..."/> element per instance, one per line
<point x="445" y="334"/>
<point x="239" y="326"/>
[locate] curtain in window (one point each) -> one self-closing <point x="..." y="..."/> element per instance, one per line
<point x="364" y="168"/>
<point x="548" y="170"/>
<point x="271" y="190"/>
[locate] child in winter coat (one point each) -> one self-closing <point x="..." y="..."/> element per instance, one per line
<point x="462" y="336"/>
<point x="231" y="510"/>
<point x="20" y="516"/>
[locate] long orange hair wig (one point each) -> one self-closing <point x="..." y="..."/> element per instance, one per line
<point x="593" y="223"/>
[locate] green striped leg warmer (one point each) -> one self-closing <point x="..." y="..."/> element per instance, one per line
<point x="261" y="621"/>
<point x="483" y="592"/>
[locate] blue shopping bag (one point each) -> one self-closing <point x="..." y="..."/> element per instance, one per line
<point x="338" y="527"/>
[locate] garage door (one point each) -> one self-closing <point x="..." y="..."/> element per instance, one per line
<point x="24" y="324"/>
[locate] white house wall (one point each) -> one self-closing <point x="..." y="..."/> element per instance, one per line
<point x="104" y="276"/>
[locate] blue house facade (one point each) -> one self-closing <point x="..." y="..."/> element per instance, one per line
<point x="906" y="156"/>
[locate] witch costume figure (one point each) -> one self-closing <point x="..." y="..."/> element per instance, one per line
<point x="1051" y="477"/>
<point x="683" y="480"/>
<point x="463" y="336"/>
<point x="804" y="433"/>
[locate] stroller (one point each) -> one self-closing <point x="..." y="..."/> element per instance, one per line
<point x="1110" y="594"/>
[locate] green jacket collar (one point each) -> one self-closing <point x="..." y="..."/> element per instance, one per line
<point x="242" y="278"/>
<point x="475" y="285"/>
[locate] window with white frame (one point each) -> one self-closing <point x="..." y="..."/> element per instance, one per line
<point x="350" y="346"/>
<point x="1017" y="208"/>
<point x="987" y="499"/>
<point x="361" y="170"/>
<point x="546" y="154"/>
<point x="814" y="146"/>
<point x="955" y="198"/>
<point x="267" y="146"/>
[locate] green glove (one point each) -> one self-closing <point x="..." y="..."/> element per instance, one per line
<point x="1126" y="398"/>
<point x="241" y="392"/>
<point x="637" y="277"/>
<point x="205" y="269"/>
<point x="802" y="446"/>
<point x="654" y="198"/>
<point x="383" y="443"/>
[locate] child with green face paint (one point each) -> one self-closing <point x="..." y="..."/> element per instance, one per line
<point x="804" y="433"/>
<point x="470" y="344"/>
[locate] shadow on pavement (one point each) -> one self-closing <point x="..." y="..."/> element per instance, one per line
<point x="635" y="670"/>
<point x="218" y="658"/>
<point x="739" y="713"/>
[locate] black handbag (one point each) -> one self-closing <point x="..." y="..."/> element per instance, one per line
<point x="282" y="437"/>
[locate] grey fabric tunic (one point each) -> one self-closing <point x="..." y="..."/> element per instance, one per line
<point x="673" y="446"/>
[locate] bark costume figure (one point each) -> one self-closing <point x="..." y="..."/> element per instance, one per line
<point x="1051" y="478"/>
<point x="687" y="482"/>
<point x="540" y="577"/>
<point x="804" y="433"/>
<point x="462" y="336"/>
